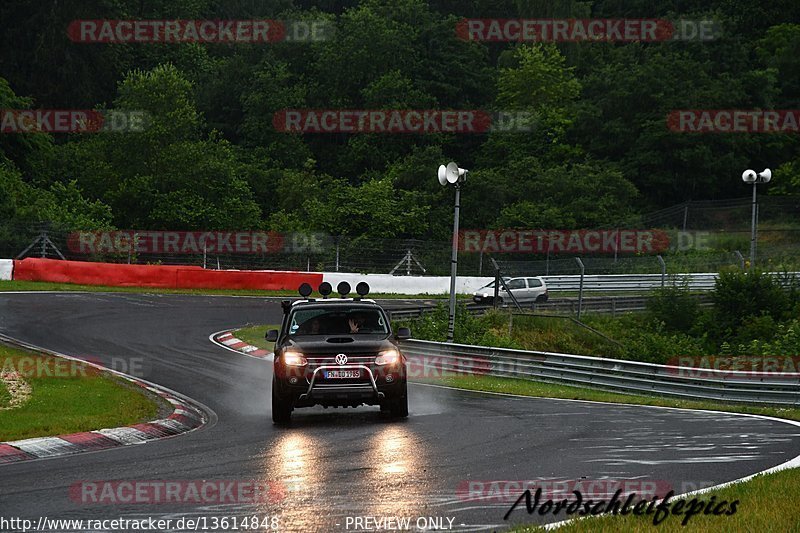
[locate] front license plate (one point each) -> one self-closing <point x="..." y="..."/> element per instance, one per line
<point x="342" y="374"/>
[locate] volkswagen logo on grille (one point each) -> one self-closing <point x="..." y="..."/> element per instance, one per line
<point x="341" y="359"/>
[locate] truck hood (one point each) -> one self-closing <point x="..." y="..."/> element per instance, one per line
<point x="348" y="344"/>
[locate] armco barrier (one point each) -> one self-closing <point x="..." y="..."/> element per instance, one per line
<point x="388" y="283"/>
<point x="612" y="305"/>
<point x="608" y="374"/>
<point x="699" y="281"/>
<point x="158" y="276"/>
<point x="703" y="281"/>
<point x="6" y="269"/>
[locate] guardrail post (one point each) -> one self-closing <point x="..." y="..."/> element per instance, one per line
<point x="547" y="262"/>
<point x="738" y="254"/>
<point x="685" y="216"/>
<point x="496" y="286"/>
<point x="663" y="270"/>
<point x="580" y="290"/>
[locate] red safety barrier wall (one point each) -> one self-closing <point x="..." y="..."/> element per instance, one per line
<point x="165" y="276"/>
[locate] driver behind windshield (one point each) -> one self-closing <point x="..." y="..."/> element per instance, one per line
<point x="356" y="324"/>
<point x="364" y="322"/>
<point x="339" y="324"/>
<point x="312" y="326"/>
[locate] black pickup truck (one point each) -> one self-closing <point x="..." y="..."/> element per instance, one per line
<point x="338" y="352"/>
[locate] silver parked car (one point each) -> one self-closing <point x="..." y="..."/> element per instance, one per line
<point x="525" y="290"/>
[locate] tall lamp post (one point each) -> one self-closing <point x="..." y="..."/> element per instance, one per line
<point x="452" y="175"/>
<point x="750" y="177"/>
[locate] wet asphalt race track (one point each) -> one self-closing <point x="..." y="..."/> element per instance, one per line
<point x="339" y="463"/>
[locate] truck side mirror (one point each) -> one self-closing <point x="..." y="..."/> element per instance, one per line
<point x="403" y="334"/>
<point x="272" y="335"/>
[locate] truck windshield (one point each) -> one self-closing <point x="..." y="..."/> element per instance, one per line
<point x="337" y="322"/>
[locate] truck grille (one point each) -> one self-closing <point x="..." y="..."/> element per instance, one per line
<point x="315" y="361"/>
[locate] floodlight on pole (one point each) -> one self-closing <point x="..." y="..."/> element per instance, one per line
<point x="453" y="175"/>
<point x="751" y="178"/>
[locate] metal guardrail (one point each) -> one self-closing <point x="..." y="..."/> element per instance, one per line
<point x="599" y="305"/>
<point x="608" y="304"/>
<point x="631" y="282"/>
<point x="638" y="282"/>
<point x="427" y="358"/>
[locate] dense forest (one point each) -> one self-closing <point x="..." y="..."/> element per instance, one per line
<point x="599" y="150"/>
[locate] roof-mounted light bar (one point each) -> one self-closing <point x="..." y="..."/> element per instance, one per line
<point x="325" y="289"/>
<point x="305" y="290"/>
<point x="343" y="288"/>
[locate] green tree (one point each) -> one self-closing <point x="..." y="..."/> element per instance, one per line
<point x="741" y="297"/>
<point x="31" y="153"/>
<point x="537" y="84"/>
<point x="178" y="178"/>
<point x="780" y="50"/>
<point x="375" y="209"/>
<point x="585" y="195"/>
<point x="387" y="55"/>
<point x="628" y="93"/>
<point x="62" y="205"/>
<point x="274" y="88"/>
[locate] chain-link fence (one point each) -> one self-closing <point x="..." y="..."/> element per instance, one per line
<point x="734" y="215"/>
<point x="704" y="236"/>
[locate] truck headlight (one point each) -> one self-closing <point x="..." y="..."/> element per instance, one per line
<point x="388" y="357"/>
<point x="294" y="359"/>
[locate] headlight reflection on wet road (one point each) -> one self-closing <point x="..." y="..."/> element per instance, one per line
<point x="381" y="471"/>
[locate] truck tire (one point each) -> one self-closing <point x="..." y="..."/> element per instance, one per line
<point x="281" y="410"/>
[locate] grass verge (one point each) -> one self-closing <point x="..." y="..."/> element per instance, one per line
<point x="70" y="397"/>
<point x="67" y="287"/>
<point x="553" y="390"/>
<point x="255" y="335"/>
<point x="5" y="397"/>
